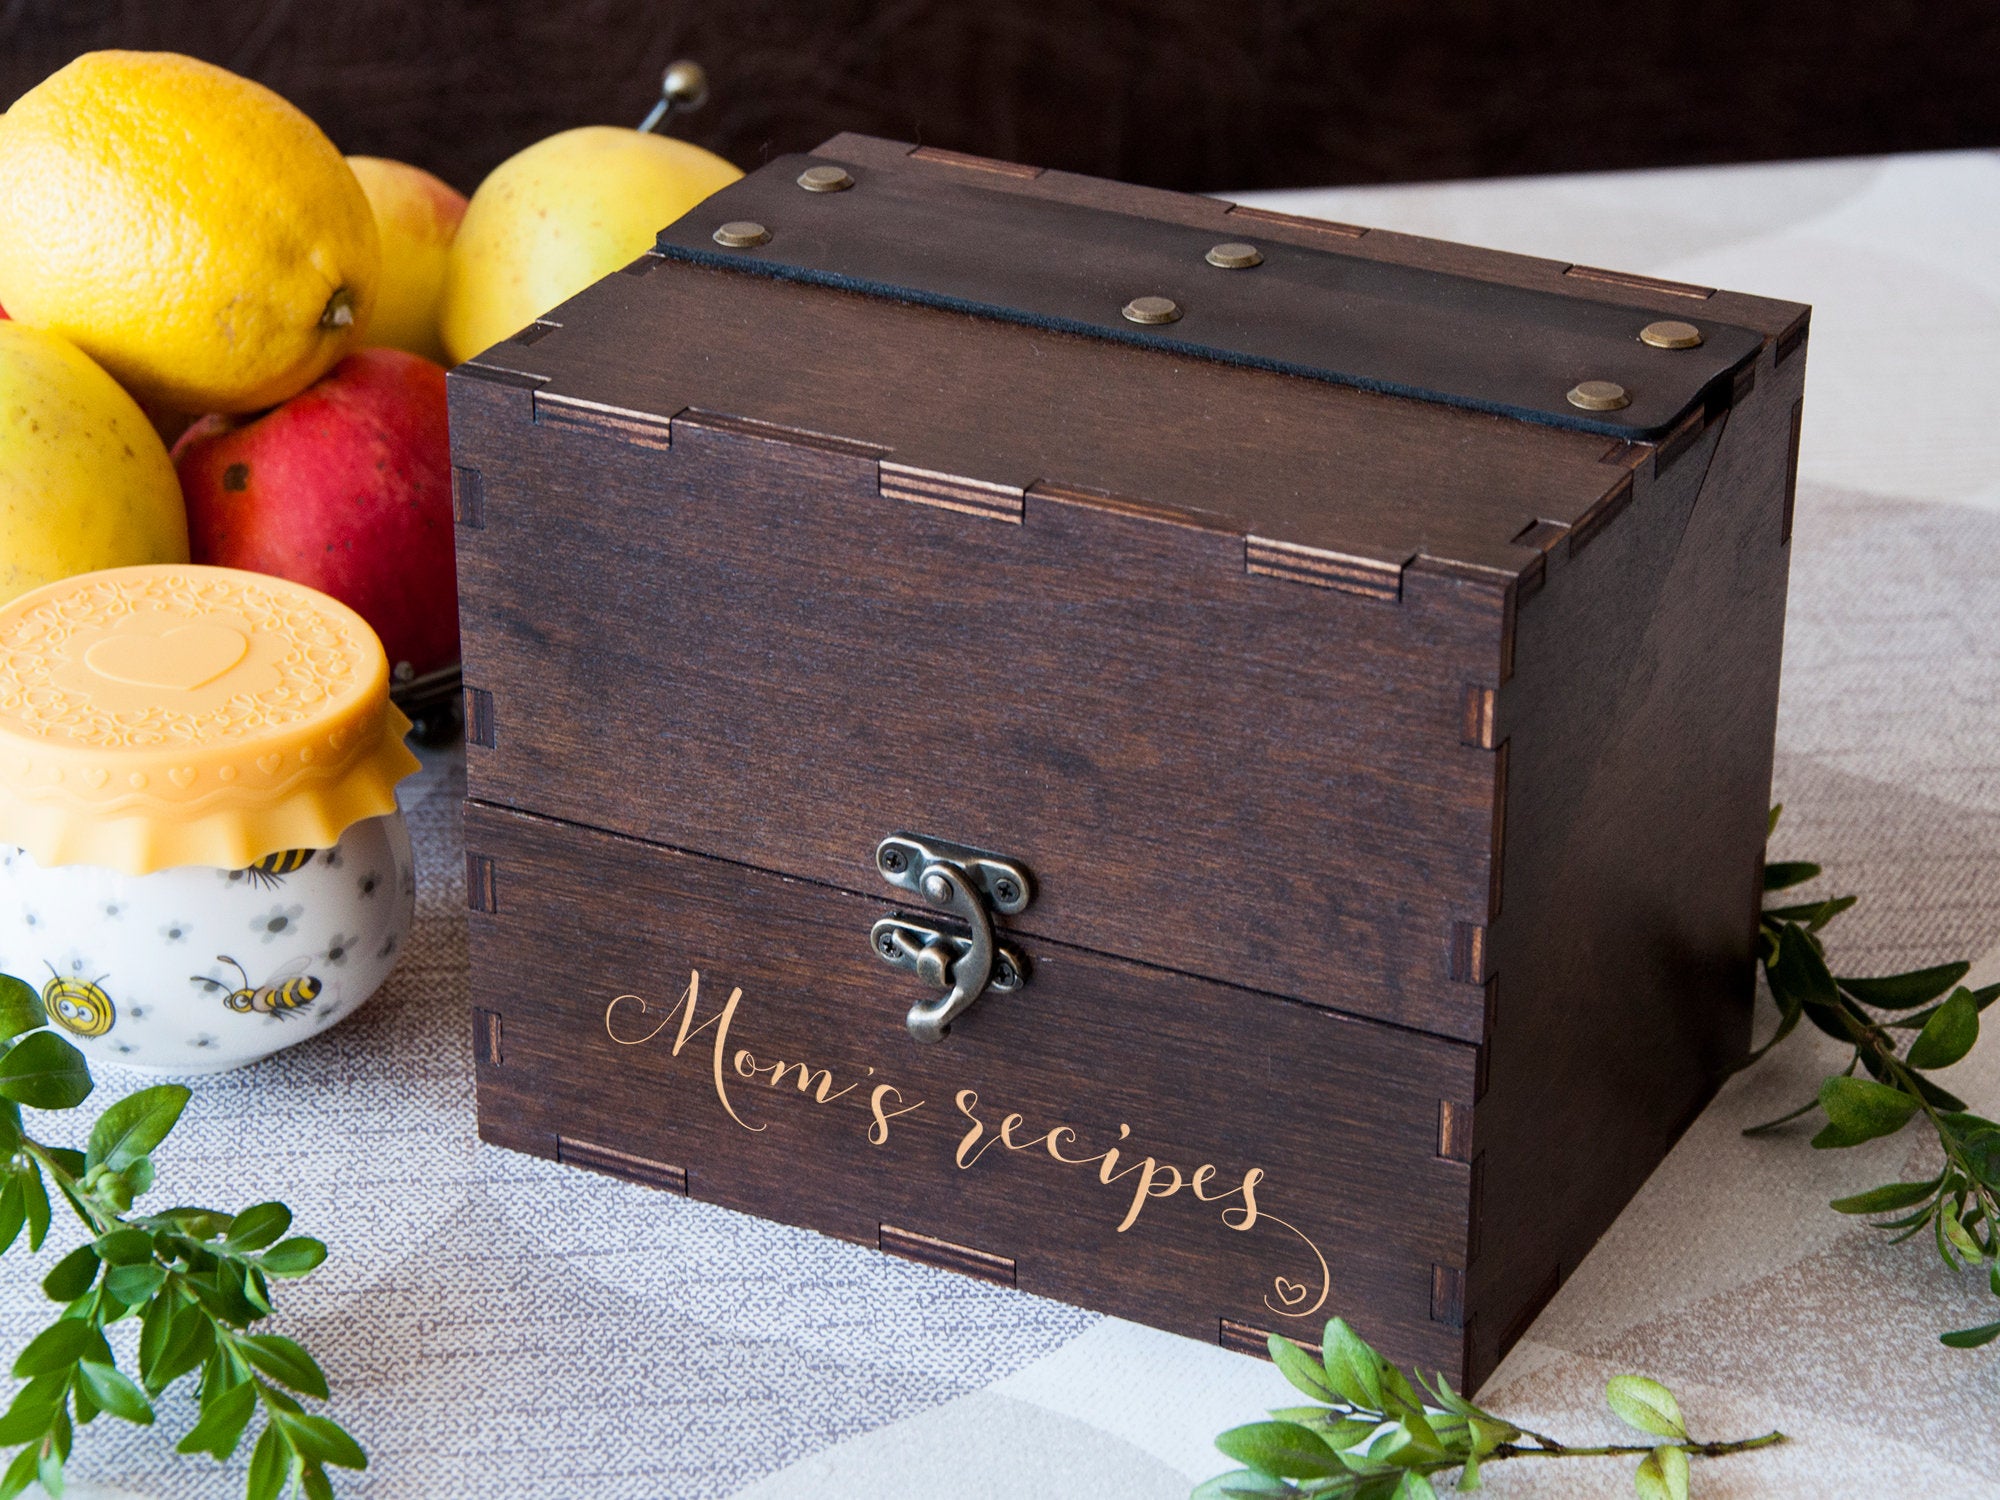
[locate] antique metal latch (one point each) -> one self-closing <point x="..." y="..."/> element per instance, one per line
<point x="964" y="882"/>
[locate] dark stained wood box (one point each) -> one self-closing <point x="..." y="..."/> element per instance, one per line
<point x="1385" y="738"/>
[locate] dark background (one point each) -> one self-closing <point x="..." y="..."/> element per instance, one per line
<point x="1200" y="94"/>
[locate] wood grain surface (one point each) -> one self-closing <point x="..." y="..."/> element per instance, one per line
<point x="1180" y="93"/>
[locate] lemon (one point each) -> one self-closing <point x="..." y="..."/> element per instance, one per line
<point x="85" y="482"/>
<point x="552" y="219"/>
<point x="416" y="216"/>
<point x="188" y="229"/>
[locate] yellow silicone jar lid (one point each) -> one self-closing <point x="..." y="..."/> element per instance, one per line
<point x="181" y="715"/>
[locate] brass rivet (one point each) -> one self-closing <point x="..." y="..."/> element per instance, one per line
<point x="1235" y="256"/>
<point x="741" y="234"/>
<point x="1153" y="310"/>
<point x="1600" y="395"/>
<point x="1670" y="333"/>
<point x="825" y="180"/>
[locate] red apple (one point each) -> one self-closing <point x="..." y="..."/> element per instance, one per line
<point x="345" y="487"/>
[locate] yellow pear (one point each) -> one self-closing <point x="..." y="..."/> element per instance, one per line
<point x="553" y="218"/>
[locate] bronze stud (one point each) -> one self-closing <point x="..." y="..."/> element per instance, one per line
<point x="1670" y="333"/>
<point x="825" y="180"/>
<point x="1153" y="310"/>
<point x="1235" y="256"/>
<point x="741" y="234"/>
<point x="1600" y="395"/>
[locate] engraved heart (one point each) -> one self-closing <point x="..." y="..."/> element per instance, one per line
<point x="269" y="764"/>
<point x="181" y="776"/>
<point x="1290" y="1292"/>
<point x="182" y="659"/>
<point x="95" y="776"/>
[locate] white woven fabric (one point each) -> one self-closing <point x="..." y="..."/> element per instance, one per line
<point x="498" y="1327"/>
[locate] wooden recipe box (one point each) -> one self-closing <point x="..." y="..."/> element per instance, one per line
<point x="1201" y="763"/>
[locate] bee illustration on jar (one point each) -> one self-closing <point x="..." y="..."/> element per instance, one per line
<point x="288" y="992"/>
<point x="269" y="872"/>
<point x="78" y="1005"/>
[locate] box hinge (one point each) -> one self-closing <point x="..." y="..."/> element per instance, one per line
<point x="972" y="497"/>
<point x="639" y="1169"/>
<point x="1448" y="1296"/>
<point x="486" y="1039"/>
<point x="1370" y="577"/>
<point x="481" y="894"/>
<point x="639" y="428"/>
<point x="943" y="1253"/>
<point x="1245" y="1339"/>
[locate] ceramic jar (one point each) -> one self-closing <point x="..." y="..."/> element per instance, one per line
<point x="201" y="857"/>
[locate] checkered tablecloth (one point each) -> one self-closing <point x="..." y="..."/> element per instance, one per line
<point x="495" y="1326"/>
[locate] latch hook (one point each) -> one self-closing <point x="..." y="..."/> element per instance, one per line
<point x="963" y="882"/>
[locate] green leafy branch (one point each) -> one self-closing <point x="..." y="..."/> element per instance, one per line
<point x="1886" y="1082"/>
<point x="1370" y="1436"/>
<point x="195" y="1278"/>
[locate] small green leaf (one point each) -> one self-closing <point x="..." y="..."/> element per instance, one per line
<point x="37" y="1198"/>
<point x="1238" y="1484"/>
<point x="20" y="1473"/>
<point x="1906" y="991"/>
<point x="155" y="1327"/>
<point x="71" y="1276"/>
<point x="325" y="1441"/>
<point x="270" y="1465"/>
<point x="113" y="1390"/>
<point x="82" y="1403"/>
<point x="1415" y="1486"/>
<point x="1801" y="971"/>
<point x="44" y="1071"/>
<point x="1784" y="874"/>
<point x="257" y="1226"/>
<point x="1353" y="1369"/>
<point x="1888" y="1198"/>
<point x="134" y="1126"/>
<point x="1646" y="1405"/>
<point x="1948" y="1035"/>
<point x="132" y="1285"/>
<point x="300" y="1254"/>
<point x="189" y="1340"/>
<point x="284" y="1361"/>
<point x="1283" y="1450"/>
<point x="13" y="1210"/>
<point x="223" y="1418"/>
<point x="20" y="1007"/>
<point x="1971" y="1338"/>
<point x="317" y="1485"/>
<point x="1953" y="1229"/>
<point x="1860" y="1109"/>
<point x="138" y="1177"/>
<point x="59" y="1346"/>
<point x="1815" y="914"/>
<point x="1663" y="1475"/>
<point x="1305" y="1373"/>
<point x="126" y="1247"/>
<point x="33" y="1407"/>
